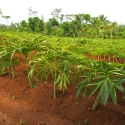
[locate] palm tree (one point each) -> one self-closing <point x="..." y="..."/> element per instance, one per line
<point x="112" y="26"/>
<point x="79" y="18"/>
<point x="103" y="19"/>
<point x="6" y="17"/>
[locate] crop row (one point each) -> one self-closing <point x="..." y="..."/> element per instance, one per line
<point x="65" y="62"/>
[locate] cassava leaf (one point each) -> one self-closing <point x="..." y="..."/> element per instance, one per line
<point x="104" y="92"/>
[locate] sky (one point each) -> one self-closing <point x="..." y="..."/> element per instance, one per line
<point x="114" y="10"/>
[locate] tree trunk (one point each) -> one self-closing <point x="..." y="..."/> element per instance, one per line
<point x="111" y="34"/>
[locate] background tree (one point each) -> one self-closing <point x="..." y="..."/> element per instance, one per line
<point x="61" y="18"/>
<point x="96" y="26"/>
<point x="87" y="18"/>
<point x="23" y="26"/>
<point x="103" y="19"/>
<point x="68" y="17"/>
<point x="74" y="28"/>
<point x="66" y="28"/>
<point x="35" y="24"/>
<point x="112" y="26"/>
<point x="59" y="32"/>
<point x="31" y="12"/>
<point x="6" y="17"/>
<point x="13" y="26"/>
<point x="79" y="18"/>
<point x="1" y="12"/>
<point x="70" y="25"/>
<point x="56" y="13"/>
<point x="52" y="25"/>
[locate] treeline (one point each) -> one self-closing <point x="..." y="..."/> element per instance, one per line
<point x="74" y="25"/>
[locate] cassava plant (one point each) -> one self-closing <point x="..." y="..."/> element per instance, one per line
<point x="56" y="63"/>
<point x="7" y="61"/>
<point x="7" y="65"/>
<point x="41" y="67"/>
<point x="63" y="76"/>
<point x="105" y="78"/>
<point x="65" y="62"/>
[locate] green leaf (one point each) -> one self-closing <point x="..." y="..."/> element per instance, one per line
<point x="58" y="80"/>
<point x="93" y="90"/>
<point x="64" y="80"/>
<point x="112" y="92"/>
<point x="123" y="94"/>
<point x="104" y="92"/>
<point x="82" y="82"/>
<point x="30" y="75"/>
<point x="120" y="88"/>
<point x="98" y="82"/>
<point x="79" y="90"/>
<point x="85" y="90"/>
<point x="41" y="78"/>
<point x="61" y="83"/>
<point x="98" y="77"/>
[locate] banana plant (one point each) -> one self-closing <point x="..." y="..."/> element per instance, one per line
<point x="104" y="78"/>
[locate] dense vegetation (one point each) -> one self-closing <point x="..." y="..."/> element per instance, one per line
<point x="70" y="25"/>
<point x="60" y="48"/>
<point x="66" y="61"/>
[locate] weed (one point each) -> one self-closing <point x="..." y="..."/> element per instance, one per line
<point x="76" y="104"/>
<point x="21" y="122"/>
<point x="85" y="122"/>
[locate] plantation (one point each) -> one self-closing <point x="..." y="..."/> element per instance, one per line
<point x="49" y="80"/>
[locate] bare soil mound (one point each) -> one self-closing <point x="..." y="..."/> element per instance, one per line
<point x="36" y="106"/>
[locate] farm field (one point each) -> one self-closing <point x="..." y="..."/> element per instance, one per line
<point x="44" y="78"/>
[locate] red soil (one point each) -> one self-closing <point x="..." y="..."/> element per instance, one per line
<point x="36" y="106"/>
